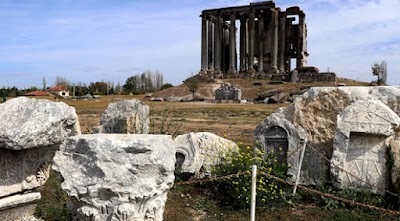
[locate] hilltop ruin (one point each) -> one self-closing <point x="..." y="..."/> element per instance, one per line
<point x="271" y="41"/>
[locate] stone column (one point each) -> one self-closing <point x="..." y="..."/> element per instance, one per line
<point x="217" y="44"/>
<point x="232" y="44"/>
<point x="300" y="37"/>
<point x="210" y="46"/>
<point x="261" y="44"/>
<point x="203" y="43"/>
<point x="251" y="40"/>
<point x="242" y="49"/>
<point x="282" y="41"/>
<point x="274" y="51"/>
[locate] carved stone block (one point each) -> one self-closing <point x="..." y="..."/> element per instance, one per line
<point x="361" y="146"/>
<point x="31" y="131"/>
<point x="228" y="92"/>
<point x="117" y="176"/>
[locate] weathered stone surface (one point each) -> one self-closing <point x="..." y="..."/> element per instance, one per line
<point x="117" y="176"/>
<point x="228" y="92"/>
<point x="29" y="123"/>
<point x="173" y="99"/>
<point x="24" y="170"/>
<point x="279" y="136"/>
<point x="31" y="131"/>
<point x="316" y="112"/>
<point x="269" y="93"/>
<point x="395" y="155"/>
<point x="160" y="99"/>
<point x="279" y="98"/>
<point x="17" y="207"/>
<point x="360" y="145"/>
<point x="127" y="116"/>
<point x="198" y="152"/>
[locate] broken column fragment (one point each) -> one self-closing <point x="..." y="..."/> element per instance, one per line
<point x="117" y="176"/>
<point x="198" y="152"/>
<point x="127" y="116"/>
<point x="31" y="130"/>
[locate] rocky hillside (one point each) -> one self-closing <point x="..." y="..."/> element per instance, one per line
<point x="252" y="89"/>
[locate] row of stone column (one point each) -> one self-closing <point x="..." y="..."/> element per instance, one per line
<point x="212" y="37"/>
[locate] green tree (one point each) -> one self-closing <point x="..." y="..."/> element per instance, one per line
<point x="192" y="83"/>
<point x="166" y="85"/>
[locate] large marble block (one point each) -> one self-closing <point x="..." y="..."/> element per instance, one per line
<point x="31" y="131"/>
<point x="117" y="176"/>
<point x="361" y="146"/>
<point x="127" y="116"/>
<point x="198" y="152"/>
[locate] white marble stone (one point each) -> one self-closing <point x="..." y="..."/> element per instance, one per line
<point x="199" y="152"/>
<point x="127" y="116"/>
<point x="360" y="145"/>
<point x="117" y="176"/>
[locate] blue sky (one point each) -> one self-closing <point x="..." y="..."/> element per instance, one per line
<point x="93" y="40"/>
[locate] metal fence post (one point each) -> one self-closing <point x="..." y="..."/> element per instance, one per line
<point x="253" y="193"/>
<point x="299" y="166"/>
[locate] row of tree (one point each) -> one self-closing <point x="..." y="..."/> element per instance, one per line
<point x="148" y="81"/>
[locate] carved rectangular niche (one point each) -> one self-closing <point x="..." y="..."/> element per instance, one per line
<point x="366" y="159"/>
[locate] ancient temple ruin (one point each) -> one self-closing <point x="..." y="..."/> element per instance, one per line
<point x="272" y="43"/>
<point x="268" y="39"/>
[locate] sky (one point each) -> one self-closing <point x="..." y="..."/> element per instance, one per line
<point x="111" y="40"/>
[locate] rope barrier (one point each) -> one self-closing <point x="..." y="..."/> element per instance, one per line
<point x="330" y="195"/>
<point x="213" y="178"/>
<point x="352" y="175"/>
<point x="352" y="202"/>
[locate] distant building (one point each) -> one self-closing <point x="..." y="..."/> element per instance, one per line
<point x="59" y="90"/>
<point x="37" y="93"/>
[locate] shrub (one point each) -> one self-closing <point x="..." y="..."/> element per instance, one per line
<point x="166" y="122"/>
<point x="236" y="192"/>
<point x="166" y="85"/>
<point x="52" y="205"/>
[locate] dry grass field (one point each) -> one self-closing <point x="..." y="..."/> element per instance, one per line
<point x="233" y="121"/>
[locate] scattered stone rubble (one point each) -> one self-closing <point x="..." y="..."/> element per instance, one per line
<point x="198" y="152"/>
<point x="31" y="131"/>
<point x="127" y="116"/>
<point x="351" y="126"/>
<point x="117" y="176"/>
<point x="278" y="95"/>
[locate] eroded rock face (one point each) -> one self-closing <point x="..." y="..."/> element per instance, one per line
<point x="117" y="176"/>
<point x="127" y="116"/>
<point x="316" y="113"/>
<point x="31" y="131"/>
<point x="30" y="123"/>
<point x="198" y="152"/>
